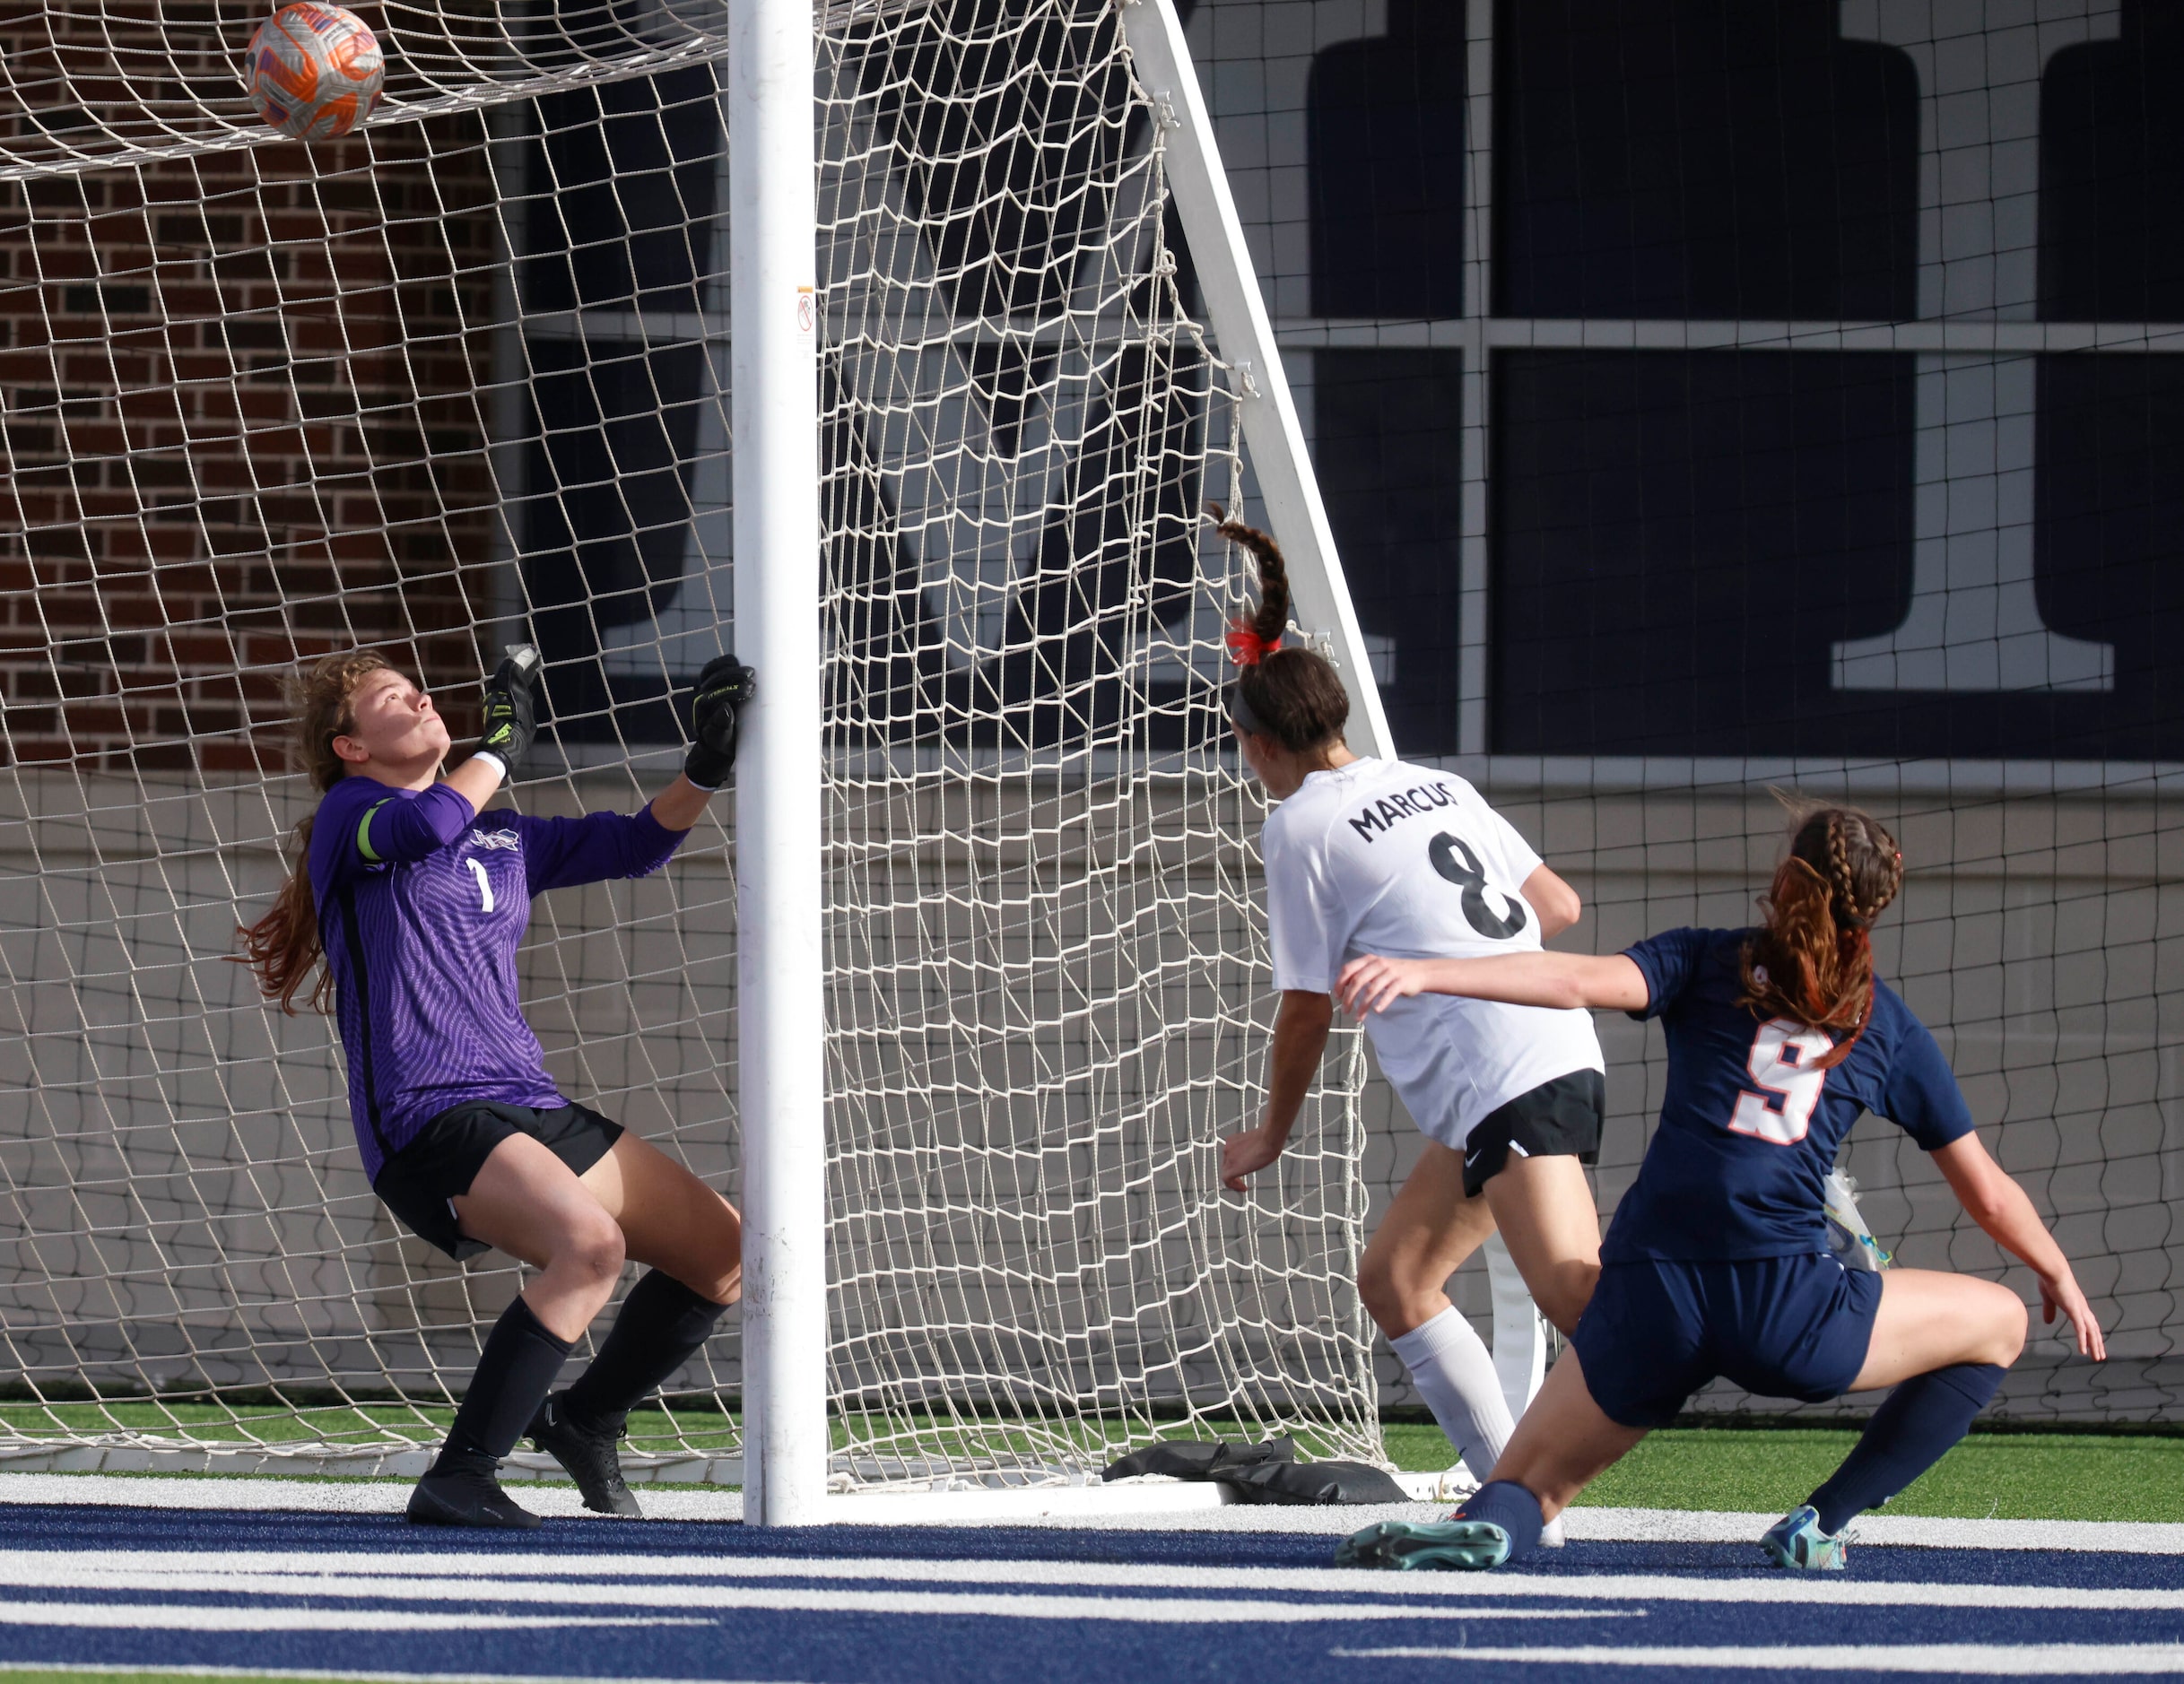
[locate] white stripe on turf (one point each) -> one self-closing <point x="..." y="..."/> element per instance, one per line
<point x="197" y="1617"/>
<point x="836" y="1599"/>
<point x="467" y="1575"/>
<point x="1675" y="1525"/>
<point x="2042" y="1660"/>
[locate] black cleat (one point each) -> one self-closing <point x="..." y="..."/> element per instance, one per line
<point x="587" y="1455"/>
<point x="462" y="1497"/>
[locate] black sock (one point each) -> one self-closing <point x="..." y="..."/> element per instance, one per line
<point x="1907" y="1434"/>
<point x="515" y="1372"/>
<point x="663" y="1324"/>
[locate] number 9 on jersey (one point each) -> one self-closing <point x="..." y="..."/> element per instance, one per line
<point x="1781" y="1062"/>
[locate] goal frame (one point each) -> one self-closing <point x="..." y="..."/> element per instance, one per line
<point x="779" y="893"/>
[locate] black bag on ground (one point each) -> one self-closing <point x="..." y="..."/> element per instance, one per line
<point x="1266" y="1472"/>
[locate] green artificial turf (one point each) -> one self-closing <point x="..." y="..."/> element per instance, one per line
<point x="2001" y="1476"/>
<point x="15" y="1674"/>
<point x="2009" y="1476"/>
<point x="966" y="1437"/>
<point x="363" y="1424"/>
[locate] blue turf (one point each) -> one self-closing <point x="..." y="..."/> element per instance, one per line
<point x="853" y="1648"/>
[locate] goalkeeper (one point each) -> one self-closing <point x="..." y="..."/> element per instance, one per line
<point x="408" y="902"/>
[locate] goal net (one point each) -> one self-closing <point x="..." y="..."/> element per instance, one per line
<point x="461" y="378"/>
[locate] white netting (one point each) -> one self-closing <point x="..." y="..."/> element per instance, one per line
<point x="463" y="377"/>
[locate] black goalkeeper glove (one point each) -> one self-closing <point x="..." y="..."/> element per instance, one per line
<point x="510" y="719"/>
<point x="724" y="689"/>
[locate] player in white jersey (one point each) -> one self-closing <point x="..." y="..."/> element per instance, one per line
<point x="1377" y="856"/>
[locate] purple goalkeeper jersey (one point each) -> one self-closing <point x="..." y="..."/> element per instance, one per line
<point x="423" y="901"/>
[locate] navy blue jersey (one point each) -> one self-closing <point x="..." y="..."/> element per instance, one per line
<point x="422" y="902"/>
<point x="1749" y="1129"/>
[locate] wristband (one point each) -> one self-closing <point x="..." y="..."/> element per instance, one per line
<point x="493" y="759"/>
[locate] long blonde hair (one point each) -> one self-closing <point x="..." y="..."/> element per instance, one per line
<point x="283" y="947"/>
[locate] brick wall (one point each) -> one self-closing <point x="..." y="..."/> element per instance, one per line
<point x="241" y="423"/>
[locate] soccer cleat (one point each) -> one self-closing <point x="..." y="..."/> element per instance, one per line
<point x="1407" y="1546"/>
<point x="1848" y="1238"/>
<point x="1797" y="1543"/>
<point x="1454" y="1486"/>
<point x="462" y="1498"/>
<point x="588" y="1455"/>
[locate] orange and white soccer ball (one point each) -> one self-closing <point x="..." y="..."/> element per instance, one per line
<point x="314" y="72"/>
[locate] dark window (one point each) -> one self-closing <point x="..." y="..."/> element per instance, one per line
<point x="619" y="217"/>
<point x="1390" y="460"/>
<point x="606" y="516"/>
<point x="2110" y="499"/>
<point x="1710" y="158"/>
<point x="997" y="133"/>
<point x="620" y="185"/>
<point x="1684" y="538"/>
<point x="2111" y="175"/>
<point x="1387" y="149"/>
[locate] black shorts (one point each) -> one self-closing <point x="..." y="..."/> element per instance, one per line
<point x="418" y="1183"/>
<point x="1556" y="1119"/>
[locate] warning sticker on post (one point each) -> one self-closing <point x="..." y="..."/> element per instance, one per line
<point x="807" y="311"/>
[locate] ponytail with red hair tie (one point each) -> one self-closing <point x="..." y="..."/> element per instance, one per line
<point x="1246" y="647"/>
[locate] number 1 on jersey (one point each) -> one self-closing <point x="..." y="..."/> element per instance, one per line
<point x="485" y="885"/>
<point x="1780" y="1063"/>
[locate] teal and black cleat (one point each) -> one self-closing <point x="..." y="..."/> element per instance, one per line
<point x="1797" y="1543"/>
<point x="1409" y="1546"/>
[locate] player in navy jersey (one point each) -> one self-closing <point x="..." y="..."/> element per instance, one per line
<point x="1364" y="855"/>
<point x="1717" y="1261"/>
<point x="413" y="899"/>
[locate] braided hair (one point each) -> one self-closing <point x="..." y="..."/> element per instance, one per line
<point x="1812" y="961"/>
<point x="1291" y="695"/>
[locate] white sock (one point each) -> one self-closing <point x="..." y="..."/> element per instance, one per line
<point x="1521" y="1335"/>
<point x="1454" y="1373"/>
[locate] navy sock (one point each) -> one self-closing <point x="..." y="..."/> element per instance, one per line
<point x="1908" y="1435"/>
<point x="1510" y="1508"/>
<point x="662" y="1325"/>
<point x="515" y="1372"/>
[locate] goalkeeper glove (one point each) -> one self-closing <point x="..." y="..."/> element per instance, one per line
<point x="510" y="719"/>
<point x="724" y="690"/>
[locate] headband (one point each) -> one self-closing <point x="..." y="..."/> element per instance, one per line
<point x="1240" y="714"/>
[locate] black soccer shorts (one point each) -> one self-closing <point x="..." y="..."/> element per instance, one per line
<point x="1562" y="1117"/>
<point x="419" y="1183"/>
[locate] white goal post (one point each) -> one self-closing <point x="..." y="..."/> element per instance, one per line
<point x="779" y="909"/>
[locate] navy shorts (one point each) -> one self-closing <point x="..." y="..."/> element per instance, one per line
<point x="1654" y="1332"/>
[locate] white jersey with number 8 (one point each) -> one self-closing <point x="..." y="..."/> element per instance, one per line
<point x="1378" y="856"/>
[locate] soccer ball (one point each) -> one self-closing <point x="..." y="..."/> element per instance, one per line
<point x="314" y="72"/>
